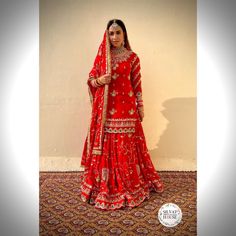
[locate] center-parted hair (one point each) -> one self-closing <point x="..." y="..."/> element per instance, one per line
<point x="122" y="25"/>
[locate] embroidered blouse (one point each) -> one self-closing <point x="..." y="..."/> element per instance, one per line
<point x="124" y="92"/>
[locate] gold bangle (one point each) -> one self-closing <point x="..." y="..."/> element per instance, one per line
<point x="93" y="83"/>
<point x="99" y="82"/>
<point x="141" y="108"/>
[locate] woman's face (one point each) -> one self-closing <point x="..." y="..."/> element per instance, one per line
<point x="116" y="35"/>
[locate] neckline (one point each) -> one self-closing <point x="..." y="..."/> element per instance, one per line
<point x="118" y="51"/>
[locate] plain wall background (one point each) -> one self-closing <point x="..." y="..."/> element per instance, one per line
<point x="162" y="33"/>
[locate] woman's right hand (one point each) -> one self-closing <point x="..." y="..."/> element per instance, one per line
<point x="105" y="79"/>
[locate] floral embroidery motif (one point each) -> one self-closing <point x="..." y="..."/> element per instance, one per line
<point x="112" y="111"/>
<point x="115" y="66"/>
<point x="131" y="112"/>
<point x="98" y="179"/>
<point x="113" y="93"/>
<point x="131" y="93"/>
<point x="114" y="76"/>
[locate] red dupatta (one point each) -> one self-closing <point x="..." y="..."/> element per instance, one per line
<point x="98" y="97"/>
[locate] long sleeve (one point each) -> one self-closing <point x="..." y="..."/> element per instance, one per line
<point x="136" y="81"/>
<point x="94" y="74"/>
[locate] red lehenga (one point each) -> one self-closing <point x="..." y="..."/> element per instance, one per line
<point x="118" y="168"/>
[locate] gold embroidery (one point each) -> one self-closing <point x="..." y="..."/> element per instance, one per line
<point x="121" y="119"/>
<point x="105" y="96"/>
<point x="134" y="60"/>
<point x="119" y="130"/>
<point x="136" y="76"/>
<point x="112" y="111"/>
<point x="105" y="173"/>
<point x="121" y="58"/>
<point x="114" y="123"/>
<point x="129" y="135"/>
<point x="138" y="169"/>
<point x="116" y="197"/>
<point x="100" y="51"/>
<point x="97" y="152"/>
<point x="137" y="84"/>
<point x="131" y="112"/>
<point x="131" y="93"/>
<point x="133" y="69"/>
<point x="115" y="66"/>
<point x="113" y="93"/>
<point x="114" y="76"/>
<point x="139" y="96"/>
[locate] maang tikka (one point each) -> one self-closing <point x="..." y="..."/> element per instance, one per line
<point x="114" y="25"/>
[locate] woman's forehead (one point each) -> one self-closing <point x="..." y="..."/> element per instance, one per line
<point x="115" y="28"/>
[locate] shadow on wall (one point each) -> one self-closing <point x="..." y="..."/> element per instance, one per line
<point x="176" y="149"/>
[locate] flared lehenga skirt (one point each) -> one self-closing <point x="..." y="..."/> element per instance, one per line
<point x="123" y="175"/>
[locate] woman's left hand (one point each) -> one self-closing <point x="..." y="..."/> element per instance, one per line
<point x="141" y="113"/>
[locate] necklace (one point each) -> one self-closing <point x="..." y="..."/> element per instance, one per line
<point x="119" y="50"/>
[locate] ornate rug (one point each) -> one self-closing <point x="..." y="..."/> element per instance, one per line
<point x="63" y="213"/>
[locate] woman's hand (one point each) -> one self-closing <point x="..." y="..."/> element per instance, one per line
<point x="141" y="113"/>
<point x="104" y="79"/>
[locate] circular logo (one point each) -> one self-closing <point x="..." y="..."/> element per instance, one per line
<point x="169" y="215"/>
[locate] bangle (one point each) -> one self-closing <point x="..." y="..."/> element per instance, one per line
<point x="98" y="81"/>
<point x="94" y="83"/>
<point x="141" y="108"/>
<point x="140" y="104"/>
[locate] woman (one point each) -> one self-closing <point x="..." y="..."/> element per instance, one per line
<point x="118" y="168"/>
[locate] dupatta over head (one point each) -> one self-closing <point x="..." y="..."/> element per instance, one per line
<point x="98" y="98"/>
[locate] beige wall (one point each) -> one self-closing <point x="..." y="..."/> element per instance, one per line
<point x="162" y="33"/>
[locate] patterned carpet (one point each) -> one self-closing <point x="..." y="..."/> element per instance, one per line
<point x="63" y="213"/>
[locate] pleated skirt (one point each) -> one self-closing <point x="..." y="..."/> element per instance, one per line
<point x="123" y="176"/>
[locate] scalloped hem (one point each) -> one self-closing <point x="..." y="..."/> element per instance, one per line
<point x="126" y="201"/>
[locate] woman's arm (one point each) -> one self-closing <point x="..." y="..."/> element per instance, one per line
<point x="137" y="87"/>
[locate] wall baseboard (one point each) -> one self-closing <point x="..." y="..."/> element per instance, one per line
<point x="61" y="163"/>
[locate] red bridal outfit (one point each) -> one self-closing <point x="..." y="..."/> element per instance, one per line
<point x="118" y="169"/>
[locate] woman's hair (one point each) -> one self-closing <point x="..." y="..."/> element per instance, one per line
<point x="122" y="25"/>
